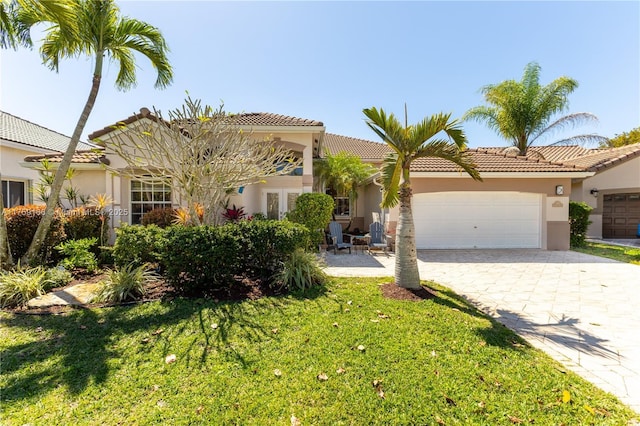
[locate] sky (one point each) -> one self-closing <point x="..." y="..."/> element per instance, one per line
<point x="327" y="61"/>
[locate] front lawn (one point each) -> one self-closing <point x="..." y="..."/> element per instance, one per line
<point x="619" y="253"/>
<point x="345" y="355"/>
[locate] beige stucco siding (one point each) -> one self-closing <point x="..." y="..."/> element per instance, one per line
<point x="622" y="178"/>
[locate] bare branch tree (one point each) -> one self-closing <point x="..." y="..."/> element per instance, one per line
<point x="203" y="152"/>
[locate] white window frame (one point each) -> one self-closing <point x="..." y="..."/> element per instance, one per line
<point x="158" y="185"/>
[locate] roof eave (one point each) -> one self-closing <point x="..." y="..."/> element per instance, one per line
<point x="34" y="165"/>
<point x="510" y="175"/>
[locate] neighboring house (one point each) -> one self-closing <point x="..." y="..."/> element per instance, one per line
<point x="613" y="191"/>
<point x="20" y="138"/>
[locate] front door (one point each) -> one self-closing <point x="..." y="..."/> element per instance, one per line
<point x="277" y="202"/>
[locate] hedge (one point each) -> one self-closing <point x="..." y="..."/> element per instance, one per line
<point x="579" y="222"/>
<point x="22" y="222"/>
<point x="137" y="245"/>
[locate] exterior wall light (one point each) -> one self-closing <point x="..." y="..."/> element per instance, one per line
<point x="594" y="192"/>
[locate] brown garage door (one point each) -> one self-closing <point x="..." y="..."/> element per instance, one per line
<point x="620" y="215"/>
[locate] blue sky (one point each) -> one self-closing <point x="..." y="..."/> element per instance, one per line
<point x="329" y="60"/>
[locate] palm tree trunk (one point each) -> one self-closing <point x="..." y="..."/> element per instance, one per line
<point x="45" y="223"/>
<point x="6" y="260"/>
<point x="407" y="275"/>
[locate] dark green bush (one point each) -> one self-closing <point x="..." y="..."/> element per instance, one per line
<point x="313" y="210"/>
<point x="268" y="243"/>
<point x="138" y="245"/>
<point x="201" y="259"/>
<point x="22" y="222"/>
<point x="579" y="222"/>
<point x="85" y="222"/>
<point x="162" y="217"/>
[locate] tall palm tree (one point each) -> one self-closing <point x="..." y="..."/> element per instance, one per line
<point x="436" y="136"/>
<point x="101" y="32"/>
<point x="521" y="111"/>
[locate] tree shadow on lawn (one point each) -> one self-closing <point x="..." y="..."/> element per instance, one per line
<point x="78" y="345"/>
<point x="563" y="332"/>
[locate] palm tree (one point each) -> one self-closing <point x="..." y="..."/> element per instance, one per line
<point x="521" y="111"/>
<point x="100" y="31"/>
<point x="436" y="136"/>
<point x="344" y="173"/>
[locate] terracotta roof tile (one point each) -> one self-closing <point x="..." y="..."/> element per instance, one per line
<point x="604" y="158"/>
<point x="244" y="119"/>
<point x="367" y="150"/>
<point x="269" y="119"/>
<point x="80" y="157"/>
<point x="16" y="129"/>
<point x="490" y="160"/>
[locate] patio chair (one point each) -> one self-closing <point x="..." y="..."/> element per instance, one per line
<point x="337" y="238"/>
<point x="377" y="239"/>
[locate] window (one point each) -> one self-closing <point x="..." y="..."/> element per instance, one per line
<point x="342" y="206"/>
<point x="148" y="194"/>
<point x="13" y="193"/>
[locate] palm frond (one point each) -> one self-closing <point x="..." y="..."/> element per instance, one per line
<point x="587" y="139"/>
<point x="391" y="174"/>
<point x="564" y="122"/>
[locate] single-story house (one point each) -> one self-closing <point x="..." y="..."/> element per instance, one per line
<point x="20" y="138"/>
<point x="522" y="202"/>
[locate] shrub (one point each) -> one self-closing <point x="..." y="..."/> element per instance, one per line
<point x="579" y="222"/>
<point x="78" y="254"/>
<point x="22" y="222"/>
<point x="162" y="217"/>
<point x="138" y="245"/>
<point x="125" y="283"/>
<point x="300" y="271"/>
<point x="313" y="210"/>
<point x="268" y="243"/>
<point x="19" y="286"/>
<point x="57" y="277"/>
<point x="200" y="259"/>
<point x="234" y="214"/>
<point x="85" y="222"/>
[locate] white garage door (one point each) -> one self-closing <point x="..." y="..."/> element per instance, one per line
<point x="477" y="220"/>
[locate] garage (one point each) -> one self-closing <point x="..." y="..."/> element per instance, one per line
<point x="456" y="220"/>
<point x="620" y="215"/>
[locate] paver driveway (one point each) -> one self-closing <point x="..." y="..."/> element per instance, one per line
<point x="582" y="310"/>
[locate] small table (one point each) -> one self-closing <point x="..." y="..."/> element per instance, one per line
<point x="359" y="241"/>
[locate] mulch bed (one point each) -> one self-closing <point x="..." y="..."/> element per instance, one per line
<point x="244" y="288"/>
<point x="392" y="291"/>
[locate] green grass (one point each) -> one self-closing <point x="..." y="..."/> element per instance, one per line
<point x="435" y="360"/>
<point x="619" y="253"/>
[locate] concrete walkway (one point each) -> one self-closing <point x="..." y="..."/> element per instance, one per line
<point x="582" y="310"/>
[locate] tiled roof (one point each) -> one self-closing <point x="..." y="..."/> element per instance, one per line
<point x="245" y="119"/>
<point x="269" y="119"/>
<point x="549" y="153"/>
<point x="18" y="130"/>
<point x="93" y="156"/>
<point x="600" y="159"/>
<point x="490" y="160"/>
<point x="367" y="150"/>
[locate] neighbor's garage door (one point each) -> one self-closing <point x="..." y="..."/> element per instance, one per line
<point x="446" y="220"/>
<point x="620" y="215"/>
